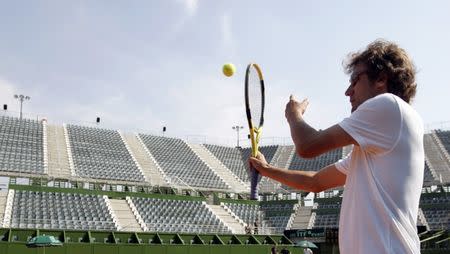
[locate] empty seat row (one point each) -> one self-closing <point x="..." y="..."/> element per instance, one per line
<point x="21" y="145"/>
<point x="101" y="153"/>
<point x="316" y="163"/>
<point x="444" y="137"/>
<point x="179" y="162"/>
<point x="33" y="209"/>
<point x="167" y="215"/>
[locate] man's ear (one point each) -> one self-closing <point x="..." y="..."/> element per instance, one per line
<point x="381" y="83"/>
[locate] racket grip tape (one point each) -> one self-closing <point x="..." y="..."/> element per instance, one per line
<point x="255" y="177"/>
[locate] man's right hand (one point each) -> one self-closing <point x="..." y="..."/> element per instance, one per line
<point x="259" y="163"/>
<point x="294" y="109"/>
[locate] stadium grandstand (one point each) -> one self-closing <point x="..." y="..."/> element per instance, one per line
<point x="100" y="191"/>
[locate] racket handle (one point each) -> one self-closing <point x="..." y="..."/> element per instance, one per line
<point x="254" y="180"/>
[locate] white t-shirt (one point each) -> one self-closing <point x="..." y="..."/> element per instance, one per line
<point x="384" y="178"/>
<point x="307" y="251"/>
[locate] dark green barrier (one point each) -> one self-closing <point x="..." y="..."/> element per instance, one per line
<point x="13" y="248"/>
<point x="109" y="242"/>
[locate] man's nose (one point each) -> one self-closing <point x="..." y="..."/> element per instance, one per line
<point x="349" y="90"/>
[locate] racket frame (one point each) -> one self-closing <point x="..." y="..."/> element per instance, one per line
<point x="255" y="132"/>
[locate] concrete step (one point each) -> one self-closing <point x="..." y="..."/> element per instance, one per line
<point x="58" y="162"/>
<point x="302" y="218"/>
<point x="125" y="217"/>
<point x="148" y="164"/>
<point x="232" y="223"/>
<point x="236" y="184"/>
<point x="3" y="198"/>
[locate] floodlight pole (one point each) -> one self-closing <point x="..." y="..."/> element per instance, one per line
<point x="21" y="98"/>
<point x="237" y="128"/>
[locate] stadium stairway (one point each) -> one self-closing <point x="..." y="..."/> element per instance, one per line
<point x="236" y="184"/>
<point x="436" y="157"/>
<point x="435" y="177"/>
<point x="3" y="197"/>
<point x="124" y="215"/>
<point x="150" y="169"/>
<point x="312" y="220"/>
<point x="280" y="159"/>
<point x="58" y="165"/>
<point x="422" y="220"/>
<point x="69" y="151"/>
<point x="146" y="177"/>
<point x="302" y="217"/>
<point x="6" y="221"/>
<point x="231" y="222"/>
<point x="283" y="156"/>
<point x="268" y="185"/>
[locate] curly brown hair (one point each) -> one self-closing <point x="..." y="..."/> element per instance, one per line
<point x="382" y="57"/>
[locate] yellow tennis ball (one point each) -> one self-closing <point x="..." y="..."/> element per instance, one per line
<point x="228" y="69"/>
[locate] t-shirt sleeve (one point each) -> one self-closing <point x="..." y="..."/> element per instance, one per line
<point x="343" y="164"/>
<point x="376" y="124"/>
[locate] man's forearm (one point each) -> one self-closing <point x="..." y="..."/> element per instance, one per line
<point x="302" y="180"/>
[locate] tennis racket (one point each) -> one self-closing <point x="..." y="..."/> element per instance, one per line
<point x="254" y="107"/>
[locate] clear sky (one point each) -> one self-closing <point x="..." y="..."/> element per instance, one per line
<point x="142" y="65"/>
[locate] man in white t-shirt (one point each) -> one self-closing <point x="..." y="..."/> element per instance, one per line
<point x="307" y="251"/>
<point x="383" y="174"/>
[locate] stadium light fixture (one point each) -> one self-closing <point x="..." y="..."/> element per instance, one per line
<point x="237" y="128"/>
<point x="21" y="98"/>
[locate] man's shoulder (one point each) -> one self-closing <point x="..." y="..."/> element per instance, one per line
<point x="382" y="103"/>
<point x="391" y="103"/>
<point x="383" y="99"/>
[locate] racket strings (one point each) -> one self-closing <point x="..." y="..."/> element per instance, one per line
<point x="255" y="94"/>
